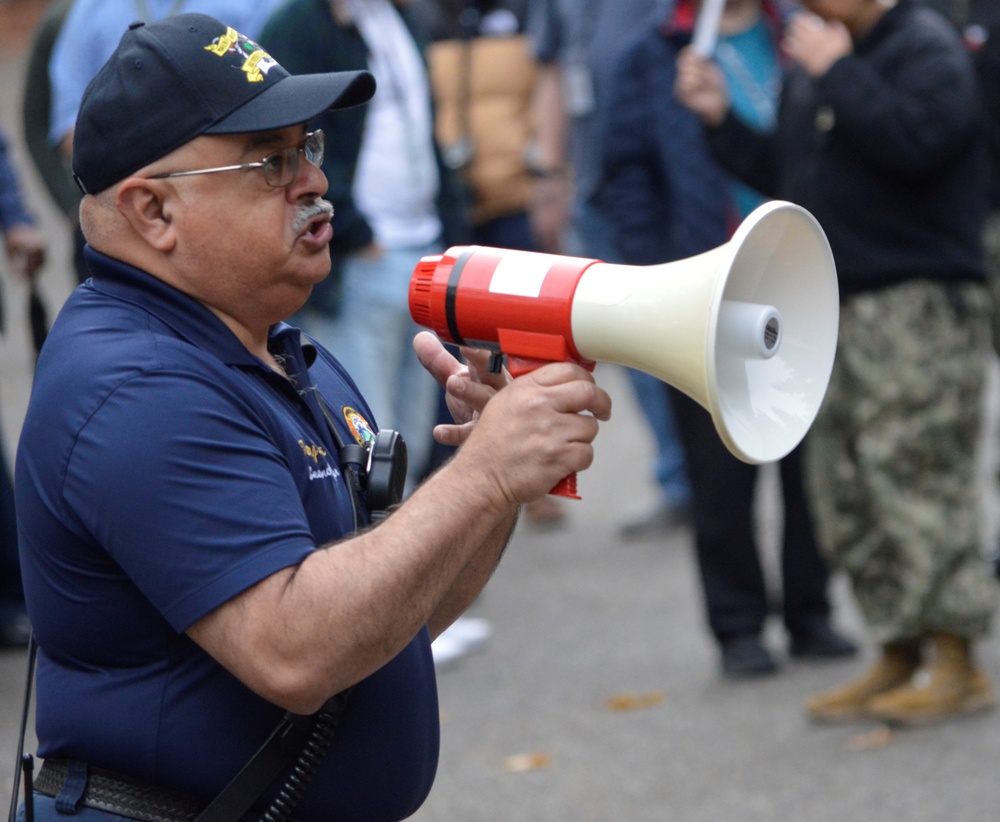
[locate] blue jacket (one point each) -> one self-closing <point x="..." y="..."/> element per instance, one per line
<point x="662" y="191"/>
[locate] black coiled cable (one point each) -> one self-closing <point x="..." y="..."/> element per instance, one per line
<point x="304" y="768"/>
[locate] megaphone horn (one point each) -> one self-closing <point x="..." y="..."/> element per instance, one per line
<point x="748" y="329"/>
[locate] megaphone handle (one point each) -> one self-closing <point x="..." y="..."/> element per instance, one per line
<point x="566" y="487"/>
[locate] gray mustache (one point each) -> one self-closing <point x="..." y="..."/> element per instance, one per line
<point x="307" y="212"/>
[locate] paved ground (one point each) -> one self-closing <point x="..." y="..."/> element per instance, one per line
<point x="582" y="618"/>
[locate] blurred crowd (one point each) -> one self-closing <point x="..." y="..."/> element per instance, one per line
<point x="594" y="128"/>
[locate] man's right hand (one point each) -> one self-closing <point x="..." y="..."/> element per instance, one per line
<point x="524" y="435"/>
<point x="535" y="431"/>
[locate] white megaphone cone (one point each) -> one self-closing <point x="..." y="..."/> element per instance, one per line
<point x="748" y="330"/>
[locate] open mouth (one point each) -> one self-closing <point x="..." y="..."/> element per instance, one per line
<point x="313" y="219"/>
<point x="317" y="225"/>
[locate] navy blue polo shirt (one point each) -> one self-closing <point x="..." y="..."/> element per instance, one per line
<point x="163" y="469"/>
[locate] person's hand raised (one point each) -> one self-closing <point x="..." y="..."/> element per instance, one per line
<point x="814" y="44"/>
<point x="701" y="87"/>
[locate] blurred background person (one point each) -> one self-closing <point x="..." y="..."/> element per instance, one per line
<point x="668" y="199"/>
<point x="36" y="110"/>
<point x="577" y="44"/>
<point x="394" y="202"/>
<point x="80" y="36"/>
<point x="483" y="81"/>
<point x="979" y="23"/>
<point x="25" y="247"/>
<point x="880" y="137"/>
<point x="483" y="77"/>
<point x="393" y="199"/>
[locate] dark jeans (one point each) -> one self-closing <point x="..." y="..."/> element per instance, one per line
<point x="732" y="576"/>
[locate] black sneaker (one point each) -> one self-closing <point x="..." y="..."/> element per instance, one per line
<point x="745" y="656"/>
<point x="820" y="641"/>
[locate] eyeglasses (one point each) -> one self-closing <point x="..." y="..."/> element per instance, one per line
<point x="280" y="168"/>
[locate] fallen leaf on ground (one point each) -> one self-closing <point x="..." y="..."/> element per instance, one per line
<point x="521" y="763"/>
<point x="870" y="740"/>
<point x="634" y="702"/>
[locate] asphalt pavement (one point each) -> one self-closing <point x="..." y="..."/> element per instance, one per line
<point x="598" y="696"/>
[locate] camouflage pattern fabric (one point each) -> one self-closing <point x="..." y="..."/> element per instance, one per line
<point x="991" y="247"/>
<point x="891" y="462"/>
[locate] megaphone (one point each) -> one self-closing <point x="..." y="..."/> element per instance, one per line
<point x="748" y="329"/>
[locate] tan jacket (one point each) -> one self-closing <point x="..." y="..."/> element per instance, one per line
<point x="496" y="77"/>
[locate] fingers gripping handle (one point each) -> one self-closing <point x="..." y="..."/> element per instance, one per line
<point x="516" y="302"/>
<point x="566" y="487"/>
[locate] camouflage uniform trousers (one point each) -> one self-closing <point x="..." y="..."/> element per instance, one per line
<point x="991" y="247"/>
<point x="891" y="461"/>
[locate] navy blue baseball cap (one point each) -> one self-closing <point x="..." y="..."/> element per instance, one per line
<point x="187" y="75"/>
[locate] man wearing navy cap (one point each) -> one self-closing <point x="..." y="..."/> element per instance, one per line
<point x="191" y="481"/>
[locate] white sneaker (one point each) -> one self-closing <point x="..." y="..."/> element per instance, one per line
<point x="472" y="631"/>
<point x="464" y="635"/>
<point x="446" y="651"/>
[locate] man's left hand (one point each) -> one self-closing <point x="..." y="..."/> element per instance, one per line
<point x="468" y="387"/>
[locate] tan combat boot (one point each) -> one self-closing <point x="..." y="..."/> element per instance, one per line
<point x="952" y="687"/>
<point x="899" y="661"/>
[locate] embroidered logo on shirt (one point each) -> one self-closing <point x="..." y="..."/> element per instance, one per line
<point x="359" y="426"/>
<point x="314" y="452"/>
<point x="256" y="61"/>
<point x="323" y="473"/>
<point x="322" y="470"/>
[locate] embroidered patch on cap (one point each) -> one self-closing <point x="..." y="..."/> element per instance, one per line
<point x="256" y="62"/>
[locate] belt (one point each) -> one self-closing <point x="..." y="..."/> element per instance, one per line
<point x="120" y="794"/>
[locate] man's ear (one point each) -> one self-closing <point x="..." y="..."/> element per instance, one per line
<point x="146" y="205"/>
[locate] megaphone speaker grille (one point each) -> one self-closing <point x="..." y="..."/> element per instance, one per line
<point x="772" y="331"/>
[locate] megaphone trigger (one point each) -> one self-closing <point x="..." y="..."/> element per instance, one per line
<point x="496" y="362"/>
<point x="748" y="329"/>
